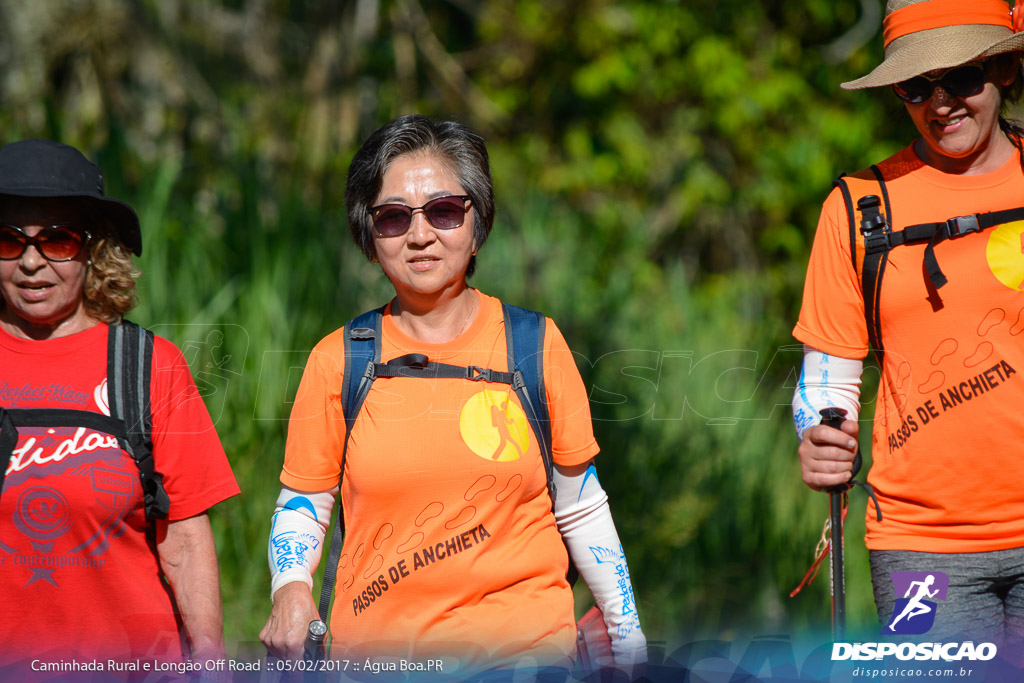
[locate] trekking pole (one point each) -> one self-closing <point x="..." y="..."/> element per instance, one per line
<point x="314" y="651"/>
<point x="833" y="417"/>
<point x="831" y="542"/>
<point x="316" y="646"/>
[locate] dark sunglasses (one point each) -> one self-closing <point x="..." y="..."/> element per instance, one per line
<point x="444" y="213"/>
<point x="55" y="243"/>
<point x="960" y="81"/>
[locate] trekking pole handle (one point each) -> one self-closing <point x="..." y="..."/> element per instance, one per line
<point x="833" y="417"/>
<point x="315" y="648"/>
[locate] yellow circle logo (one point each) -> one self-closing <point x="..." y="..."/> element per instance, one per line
<point x="1005" y="254"/>
<point x="494" y="427"/>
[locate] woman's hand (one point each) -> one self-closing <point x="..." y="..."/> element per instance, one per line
<point x="285" y="632"/>
<point x="826" y="455"/>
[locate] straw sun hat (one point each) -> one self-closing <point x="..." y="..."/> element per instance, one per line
<point x="924" y="35"/>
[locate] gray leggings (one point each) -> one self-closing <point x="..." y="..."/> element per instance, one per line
<point x="985" y="600"/>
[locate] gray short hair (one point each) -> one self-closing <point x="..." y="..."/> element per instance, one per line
<point x="459" y="145"/>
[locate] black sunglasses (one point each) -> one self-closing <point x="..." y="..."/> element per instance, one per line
<point x="960" y="81"/>
<point x="444" y="213"/>
<point x="55" y="243"/>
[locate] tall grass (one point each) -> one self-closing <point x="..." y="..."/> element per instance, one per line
<point x="690" y="381"/>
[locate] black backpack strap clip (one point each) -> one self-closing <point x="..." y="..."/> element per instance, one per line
<point x="475" y="373"/>
<point x="962" y="225"/>
<point x="873" y="227"/>
<point x="950" y="229"/>
<point x="871" y="238"/>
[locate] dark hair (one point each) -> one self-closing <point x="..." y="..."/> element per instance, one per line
<point x="451" y="141"/>
<point x="1009" y="94"/>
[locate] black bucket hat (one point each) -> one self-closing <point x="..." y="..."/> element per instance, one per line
<point x="44" y="168"/>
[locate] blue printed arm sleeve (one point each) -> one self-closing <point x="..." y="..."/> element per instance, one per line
<point x="585" y="522"/>
<point x="297" y="535"/>
<point x="825" y="381"/>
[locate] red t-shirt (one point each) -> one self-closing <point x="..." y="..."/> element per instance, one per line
<point x="947" y="454"/>
<point x="451" y="546"/>
<point x="79" y="577"/>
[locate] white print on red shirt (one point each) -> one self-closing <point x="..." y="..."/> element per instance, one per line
<point x="28" y="454"/>
<point x="99" y="395"/>
<point x="13" y="396"/>
<point x="53" y="471"/>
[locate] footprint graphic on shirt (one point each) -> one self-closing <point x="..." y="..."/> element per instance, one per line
<point x="1018" y="326"/>
<point x="385" y="541"/>
<point x="901" y="385"/>
<point x="972" y="355"/>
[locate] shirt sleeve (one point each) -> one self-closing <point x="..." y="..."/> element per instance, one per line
<point x="832" y="314"/>
<point x="572" y="432"/>
<point x="316" y="428"/>
<point x="186" y="448"/>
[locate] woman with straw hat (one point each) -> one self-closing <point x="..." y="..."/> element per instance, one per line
<point x="921" y="259"/>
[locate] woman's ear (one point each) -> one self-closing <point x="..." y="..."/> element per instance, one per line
<point x="1007" y="69"/>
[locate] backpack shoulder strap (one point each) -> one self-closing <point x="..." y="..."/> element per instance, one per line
<point x="362" y="352"/>
<point x="870" y="224"/>
<point x="8" y="441"/>
<point x="129" y="369"/>
<point x="524" y="335"/>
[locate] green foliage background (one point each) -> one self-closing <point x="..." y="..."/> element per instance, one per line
<point x="658" y="168"/>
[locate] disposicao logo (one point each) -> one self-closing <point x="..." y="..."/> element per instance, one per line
<point x="914" y="613"/>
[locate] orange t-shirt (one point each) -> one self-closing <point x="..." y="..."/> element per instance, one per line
<point x="450" y="546"/>
<point x="948" y="440"/>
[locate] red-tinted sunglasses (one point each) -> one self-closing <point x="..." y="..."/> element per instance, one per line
<point x="55" y="243"/>
<point x="444" y="213"/>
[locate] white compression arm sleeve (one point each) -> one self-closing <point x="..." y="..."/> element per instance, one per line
<point x="297" y="534"/>
<point x="585" y="522"/>
<point x="825" y="381"/>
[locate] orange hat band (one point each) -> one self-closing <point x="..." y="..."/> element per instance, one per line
<point x="923" y="16"/>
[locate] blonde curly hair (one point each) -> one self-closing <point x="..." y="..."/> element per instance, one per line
<point x="109" y="291"/>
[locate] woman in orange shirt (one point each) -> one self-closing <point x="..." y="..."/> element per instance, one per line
<point x="938" y="298"/>
<point x="453" y="546"/>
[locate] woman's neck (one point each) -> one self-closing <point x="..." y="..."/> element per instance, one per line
<point x="436" y="319"/>
<point x="990" y="158"/>
<point x="18" y="326"/>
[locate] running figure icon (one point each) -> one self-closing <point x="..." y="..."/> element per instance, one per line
<point x="915" y="606"/>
